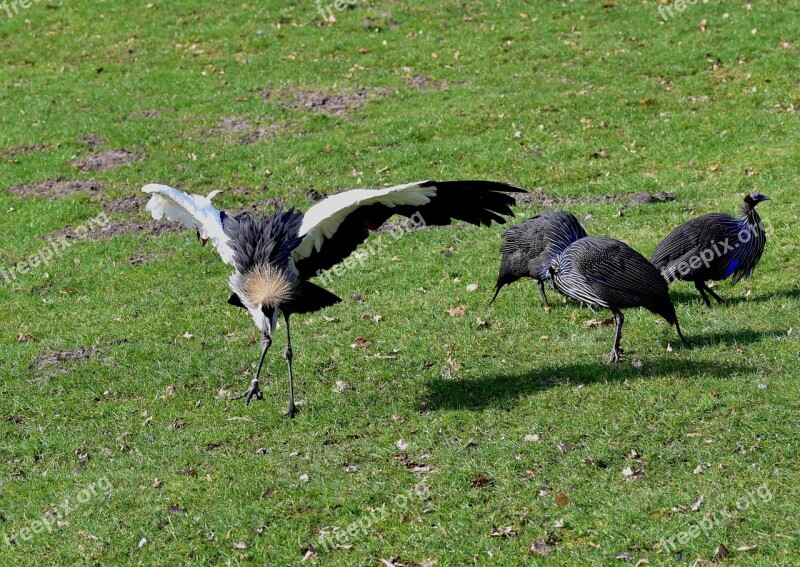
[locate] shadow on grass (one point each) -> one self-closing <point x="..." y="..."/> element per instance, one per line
<point x="493" y="391"/>
<point x="689" y="296"/>
<point x="735" y="337"/>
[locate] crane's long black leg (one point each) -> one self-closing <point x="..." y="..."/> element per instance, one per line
<point x="619" y="318"/>
<point x="287" y="354"/>
<point x="714" y="295"/>
<point x="254" y="390"/>
<point x="701" y="288"/>
<point x="544" y="297"/>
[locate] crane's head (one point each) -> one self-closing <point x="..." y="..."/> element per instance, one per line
<point x="262" y="290"/>
<point x="754" y="198"/>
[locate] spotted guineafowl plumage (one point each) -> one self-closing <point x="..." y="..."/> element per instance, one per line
<point x="603" y="272"/>
<point x="530" y="247"/>
<point x="714" y="247"/>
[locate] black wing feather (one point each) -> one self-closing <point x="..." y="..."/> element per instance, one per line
<point x="475" y="202"/>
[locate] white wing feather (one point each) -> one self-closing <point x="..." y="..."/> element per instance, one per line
<point x="193" y="211"/>
<point x="323" y="219"/>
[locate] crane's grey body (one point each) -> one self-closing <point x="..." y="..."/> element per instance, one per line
<point x="275" y="256"/>
<point x="715" y="247"/>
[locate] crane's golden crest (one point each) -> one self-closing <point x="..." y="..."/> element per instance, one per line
<point x="267" y="285"/>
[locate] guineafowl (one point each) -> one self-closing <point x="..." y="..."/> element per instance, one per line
<point x="715" y="246"/>
<point x="530" y="247"/>
<point x="603" y="272"/>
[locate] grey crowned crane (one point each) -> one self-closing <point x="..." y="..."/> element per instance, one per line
<point x="603" y="272"/>
<point x="530" y="247"/>
<point x="715" y="247"/>
<point x="275" y="256"/>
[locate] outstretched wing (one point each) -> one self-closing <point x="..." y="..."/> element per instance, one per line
<point x="194" y="211"/>
<point x="335" y="227"/>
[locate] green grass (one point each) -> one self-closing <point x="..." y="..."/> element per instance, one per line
<point x="571" y="79"/>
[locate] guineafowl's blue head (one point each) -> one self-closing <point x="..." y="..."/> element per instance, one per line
<point x="754" y="198"/>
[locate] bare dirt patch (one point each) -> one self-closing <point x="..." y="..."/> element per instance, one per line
<point x="259" y="208"/>
<point x="539" y="197"/>
<point x="118" y="227"/>
<point x="125" y="205"/>
<point x="235" y="125"/>
<point x="155" y="113"/>
<point x="314" y="195"/>
<point x="254" y="132"/>
<point x="108" y="159"/>
<point x="19" y="150"/>
<point x="92" y="141"/>
<point x="61" y="358"/>
<point x="144" y="258"/>
<point x="58" y="188"/>
<point x="333" y="104"/>
<point x="424" y="84"/>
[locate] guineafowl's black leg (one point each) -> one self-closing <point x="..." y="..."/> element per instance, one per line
<point x="287" y="354"/>
<point x="619" y="318"/>
<point x="701" y="288"/>
<point x="678" y="328"/>
<point x="714" y="295"/>
<point x="544" y="297"/>
<point x="254" y="390"/>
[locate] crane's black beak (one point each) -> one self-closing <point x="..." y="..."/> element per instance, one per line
<point x="271" y="316"/>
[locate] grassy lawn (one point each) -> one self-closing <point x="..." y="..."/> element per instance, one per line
<point x="433" y="438"/>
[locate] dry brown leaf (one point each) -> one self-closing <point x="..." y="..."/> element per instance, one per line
<point x="361" y="342"/>
<point x="591" y="323"/>
<point x="342" y="387"/>
<point x="746" y="548"/>
<point x="481" y="481"/>
<point x="562" y="499"/>
<point x="631" y="474"/>
<point x="507" y="531"/>
<point x="456" y="311"/>
<point x="539" y="547"/>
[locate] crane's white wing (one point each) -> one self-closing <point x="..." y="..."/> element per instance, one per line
<point x="323" y="219"/>
<point x="334" y="228"/>
<point x="194" y="211"/>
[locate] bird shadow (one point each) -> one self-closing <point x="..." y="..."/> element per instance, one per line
<point x="495" y="391"/>
<point x="693" y="296"/>
<point x="736" y="337"/>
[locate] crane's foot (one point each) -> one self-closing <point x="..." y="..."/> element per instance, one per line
<point x="293" y="411"/>
<point x="251" y="392"/>
<point x="615" y="354"/>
